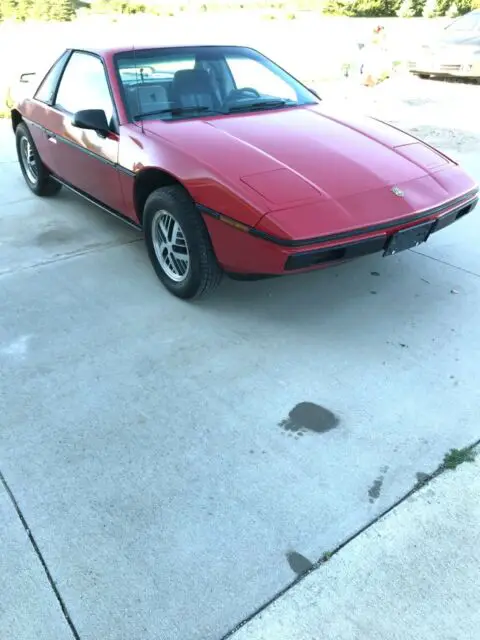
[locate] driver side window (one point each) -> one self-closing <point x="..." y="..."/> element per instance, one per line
<point x="84" y="86"/>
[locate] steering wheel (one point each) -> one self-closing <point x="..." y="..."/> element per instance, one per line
<point x="244" y="92"/>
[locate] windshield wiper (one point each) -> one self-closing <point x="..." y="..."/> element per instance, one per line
<point x="262" y="104"/>
<point x="176" y="111"/>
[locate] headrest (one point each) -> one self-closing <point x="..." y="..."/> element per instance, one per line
<point x="192" y="81"/>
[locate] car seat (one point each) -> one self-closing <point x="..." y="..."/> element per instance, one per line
<point x="146" y="98"/>
<point x="193" y="88"/>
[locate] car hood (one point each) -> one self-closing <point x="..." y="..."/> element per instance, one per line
<point x="293" y="157"/>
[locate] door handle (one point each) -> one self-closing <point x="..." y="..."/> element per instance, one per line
<point x="52" y="138"/>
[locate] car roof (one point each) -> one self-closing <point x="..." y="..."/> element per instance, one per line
<point x="114" y="49"/>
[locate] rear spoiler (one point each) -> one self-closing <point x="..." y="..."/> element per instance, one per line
<point x="27" y="77"/>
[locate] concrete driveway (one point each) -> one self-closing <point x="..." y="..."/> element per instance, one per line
<point x="159" y="452"/>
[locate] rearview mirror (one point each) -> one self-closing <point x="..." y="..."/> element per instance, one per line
<point x="93" y="119"/>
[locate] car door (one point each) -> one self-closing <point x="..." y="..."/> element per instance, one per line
<point x="85" y="159"/>
<point x="37" y="111"/>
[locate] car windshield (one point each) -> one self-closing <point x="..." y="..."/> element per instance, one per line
<point x="189" y="82"/>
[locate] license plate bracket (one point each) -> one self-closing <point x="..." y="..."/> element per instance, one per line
<point x="408" y="238"/>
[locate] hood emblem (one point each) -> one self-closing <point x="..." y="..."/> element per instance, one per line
<point x="398" y="192"/>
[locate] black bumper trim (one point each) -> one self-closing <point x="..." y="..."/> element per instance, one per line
<point x="467" y="199"/>
<point x="307" y="259"/>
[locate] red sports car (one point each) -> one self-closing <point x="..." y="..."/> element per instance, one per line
<point x="229" y="164"/>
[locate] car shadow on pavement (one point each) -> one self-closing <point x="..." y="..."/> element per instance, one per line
<point x="368" y="290"/>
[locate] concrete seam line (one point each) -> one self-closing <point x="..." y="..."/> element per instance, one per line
<point x="69" y="256"/>
<point x="41" y="558"/>
<point x="447" y="264"/>
<point x="419" y="485"/>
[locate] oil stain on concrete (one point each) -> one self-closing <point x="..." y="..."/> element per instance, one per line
<point x="376" y="488"/>
<point x="298" y="563"/>
<point x="309" y="417"/>
<point x="56" y="236"/>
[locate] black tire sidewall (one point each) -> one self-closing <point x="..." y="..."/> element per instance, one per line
<point x="23" y="132"/>
<point x="45" y="185"/>
<point x="176" y="202"/>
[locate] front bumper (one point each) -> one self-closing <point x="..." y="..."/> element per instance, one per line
<point x="249" y="252"/>
<point x="389" y="244"/>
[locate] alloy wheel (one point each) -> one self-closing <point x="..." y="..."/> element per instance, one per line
<point x="170" y="246"/>
<point x="28" y="160"/>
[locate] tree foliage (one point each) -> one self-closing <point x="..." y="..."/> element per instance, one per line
<point x="339" y="8"/>
<point x="64" y="10"/>
<point x="431" y="9"/>
<point x="452" y="11"/>
<point x="406" y="10"/>
<point x="8" y="9"/>
<point x="61" y="10"/>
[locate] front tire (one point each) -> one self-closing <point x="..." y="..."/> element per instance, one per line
<point x="36" y="174"/>
<point x="178" y="244"/>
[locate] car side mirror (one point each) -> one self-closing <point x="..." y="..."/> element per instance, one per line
<point x="93" y="119"/>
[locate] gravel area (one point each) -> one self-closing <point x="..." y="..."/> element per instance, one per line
<point x="428" y="109"/>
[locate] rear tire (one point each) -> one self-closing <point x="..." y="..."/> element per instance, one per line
<point x="179" y="245"/>
<point x="38" y="178"/>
